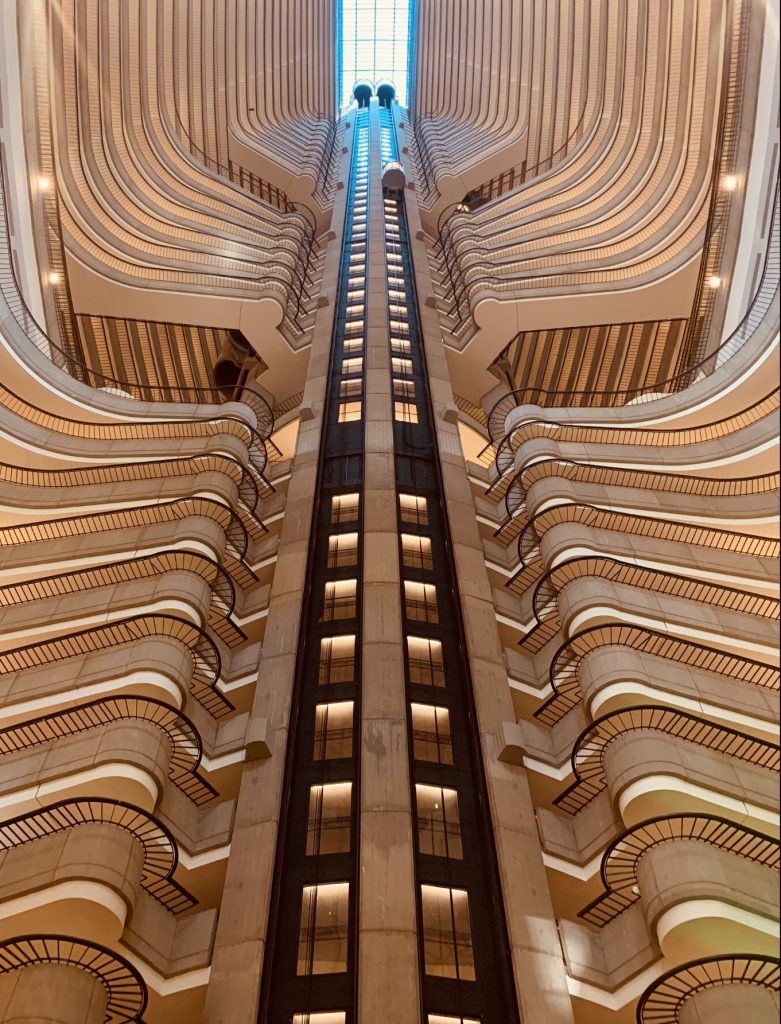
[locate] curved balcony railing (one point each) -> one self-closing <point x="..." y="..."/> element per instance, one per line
<point x="633" y="574"/>
<point x="159" y="846"/>
<point x="565" y="663"/>
<point x="589" y="748"/>
<point x="763" y="301"/>
<point x="662" y="1001"/>
<point x="619" y="861"/>
<point x="80" y="371"/>
<point x="205" y="657"/>
<point x="184" y="738"/>
<point x="124" y="985"/>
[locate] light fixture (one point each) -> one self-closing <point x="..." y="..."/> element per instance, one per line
<point x="43" y="184"/>
<point x="54" y="277"/>
<point x="636" y="890"/>
<point x="730" y="183"/>
<point x="714" y="281"/>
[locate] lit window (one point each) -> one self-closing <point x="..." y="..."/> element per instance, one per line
<point x="405" y="412"/>
<point x="344" y="508"/>
<point x="342" y="550"/>
<point x="349" y="412"/>
<point x="353" y="345"/>
<point x="438" y="1018"/>
<point x="401" y="365"/>
<point x="339" y="600"/>
<point x="420" y="601"/>
<point x="337" y="660"/>
<point x="439" y="825"/>
<point x="414" y="509"/>
<point x="339" y="1017"/>
<point x="404" y="389"/>
<point x="322" y="937"/>
<point x="354" y="327"/>
<point x="333" y="731"/>
<point x="350" y="366"/>
<point x="399" y="345"/>
<point x="416" y="551"/>
<point x="431" y="734"/>
<point x="424" y="657"/>
<point x="328" y="826"/>
<point x="350" y="388"/>
<point x="447" y="934"/>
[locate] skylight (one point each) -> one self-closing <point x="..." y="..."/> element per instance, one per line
<point x="373" y="45"/>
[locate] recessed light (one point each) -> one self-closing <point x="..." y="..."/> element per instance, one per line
<point x="636" y="890"/>
<point x="43" y="184"/>
<point x="54" y="277"/>
<point x="730" y="183"/>
<point x="714" y="281"/>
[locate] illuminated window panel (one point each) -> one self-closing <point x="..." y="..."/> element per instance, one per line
<point x="339" y="600"/>
<point x="431" y="734"/>
<point x="405" y="412"/>
<point x="328" y="824"/>
<point x="333" y="731"/>
<point x="322" y="936"/>
<point x="416" y="551"/>
<point x="438" y="1018"/>
<point x="350" y="345"/>
<point x="399" y="365"/>
<point x="337" y="660"/>
<point x="342" y="550"/>
<point x="344" y="508"/>
<point x="336" y="1017"/>
<point x="420" y="601"/>
<point x="424" y="659"/>
<point x="352" y="365"/>
<point x="403" y="388"/>
<point x="413" y="509"/>
<point x="447" y="933"/>
<point x="349" y="412"/>
<point x="352" y="311"/>
<point x="354" y="327"/>
<point x="439" y="824"/>
<point x="351" y="388"/>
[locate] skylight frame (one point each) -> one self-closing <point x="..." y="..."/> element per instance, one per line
<point x="374" y="44"/>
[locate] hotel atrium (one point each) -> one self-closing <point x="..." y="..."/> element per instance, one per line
<point x="389" y="511"/>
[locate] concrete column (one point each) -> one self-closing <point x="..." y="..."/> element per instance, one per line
<point x="52" y="994"/>
<point x="538" y="962"/>
<point x="237" y="963"/>
<point x="388" y="987"/>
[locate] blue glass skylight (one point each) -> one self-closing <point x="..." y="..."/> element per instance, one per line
<point x="373" y="45"/>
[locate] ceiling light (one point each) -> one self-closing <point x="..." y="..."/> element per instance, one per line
<point x="730" y="183"/>
<point x="714" y="281"/>
<point x="54" y="277"/>
<point x="43" y="184"/>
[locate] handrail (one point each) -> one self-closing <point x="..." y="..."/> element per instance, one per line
<point x="205" y="656"/>
<point x="589" y="748"/>
<point x="13" y="295"/>
<point x="161" y="854"/>
<point x="662" y="1001"/>
<point x="126" y="989"/>
<point x="565" y="663"/>
<point x="620" y="860"/>
<point x="760" y="304"/>
<point x="185" y="740"/>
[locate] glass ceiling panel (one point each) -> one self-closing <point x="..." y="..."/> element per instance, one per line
<point x="374" y="45"/>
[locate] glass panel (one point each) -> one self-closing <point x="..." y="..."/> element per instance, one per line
<point x="404" y="389"/>
<point x="424" y="658"/>
<point x="342" y="550"/>
<point x="349" y="412"/>
<point x="421" y="601"/>
<point x="437" y="1018"/>
<point x="439" y="826"/>
<point x="338" y="1017"/>
<point x="344" y="508"/>
<point x="374" y="45"/>
<point x="447" y="934"/>
<point x="328" y="827"/>
<point x="322" y="938"/>
<point x="337" y="660"/>
<point x="413" y="509"/>
<point x="416" y="551"/>
<point x="339" y="600"/>
<point x="431" y="734"/>
<point x="333" y="731"/>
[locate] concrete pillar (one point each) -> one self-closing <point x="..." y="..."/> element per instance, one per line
<point x="388" y="949"/>
<point x="52" y="994"/>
